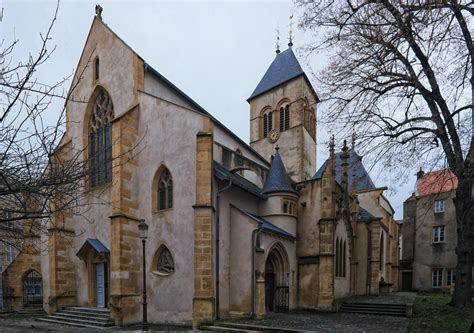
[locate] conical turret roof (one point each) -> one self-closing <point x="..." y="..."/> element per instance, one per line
<point x="277" y="178"/>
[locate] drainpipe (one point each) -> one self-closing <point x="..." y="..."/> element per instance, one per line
<point x="217" y="243"/>
<point x="369" y="257"/>
<point x="254" y="245"/>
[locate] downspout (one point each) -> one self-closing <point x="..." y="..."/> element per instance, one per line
<point x="217" y="243"/>
<point x="369" y="257"/>
<point x="254" y="247"/>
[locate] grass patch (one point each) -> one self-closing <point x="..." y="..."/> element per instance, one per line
<point x="434" y="314"/>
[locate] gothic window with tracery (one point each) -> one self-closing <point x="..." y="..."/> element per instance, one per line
<point x="165" y="262"/>
<point x="165" y="190"/>
<point x="100" y="137"/>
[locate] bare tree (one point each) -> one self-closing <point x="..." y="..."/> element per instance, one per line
<point x="42" y="178"/>
<point x="399" y="76"/>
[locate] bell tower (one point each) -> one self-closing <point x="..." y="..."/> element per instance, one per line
<point x="283" y="111"/>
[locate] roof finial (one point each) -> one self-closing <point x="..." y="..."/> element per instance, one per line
<point x="354" y="137"/>
<point x="98" y="11"/>
<point x="277" y="148"/>
<point x="290" y="33"/>
<point x="278" y="41"/>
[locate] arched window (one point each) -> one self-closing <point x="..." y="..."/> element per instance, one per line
<point x="337" y="257"/>
<point x="284" y="118"/>
<point x="100" y="135"/>
<point x="344" y="259"/>
<point x="381" y="252"/>
<point x="165" y="190"/>
<point x="163" y="262"/>
<point x="96" y="69"/>
<point x="267" y="123"/>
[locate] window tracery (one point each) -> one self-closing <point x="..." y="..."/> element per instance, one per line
<point x="100" y="136"/>
<point x="164" y="263"/>
<point x="165" y="190"/>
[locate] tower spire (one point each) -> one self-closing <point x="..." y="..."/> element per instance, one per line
<point x="290" y="33"/>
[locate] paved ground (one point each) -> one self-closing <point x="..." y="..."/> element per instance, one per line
<point x="333" y="322"/>
<point x="304" y="320"/>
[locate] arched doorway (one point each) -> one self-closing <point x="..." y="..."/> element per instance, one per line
<point x="32" y="288"/>
<point x="276" y="281"/>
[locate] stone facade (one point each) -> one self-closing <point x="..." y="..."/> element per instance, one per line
<point x="428" y="258"/>
<point x="249" y="229"/>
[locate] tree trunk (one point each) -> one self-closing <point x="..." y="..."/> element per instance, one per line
<point x="465" y="221"/>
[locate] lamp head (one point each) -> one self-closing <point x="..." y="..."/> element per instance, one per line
<point x="143" y="227"/>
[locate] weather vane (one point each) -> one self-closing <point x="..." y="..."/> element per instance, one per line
<point x="278" y="40"/>
<point x="290" y="33"/>
<point x="98" y="11"/>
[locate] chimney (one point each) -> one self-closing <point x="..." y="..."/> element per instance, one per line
<point x="420" y="174"/>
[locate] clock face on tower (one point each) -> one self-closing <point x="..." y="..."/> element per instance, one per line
<point x="273" y="135"/>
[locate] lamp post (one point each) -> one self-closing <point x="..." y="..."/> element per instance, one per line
<point x="143" y="228"/>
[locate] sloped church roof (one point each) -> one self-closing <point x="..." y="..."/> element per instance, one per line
<point x="277" y="178"/>
<point x="354" y="168"/>
<point x="284" y="67"/>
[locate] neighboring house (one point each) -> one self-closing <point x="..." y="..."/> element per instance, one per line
<point x="234" y="228"/>
<point x="429" y="233"/>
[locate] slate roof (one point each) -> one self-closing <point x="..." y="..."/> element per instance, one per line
<point x="92" y="243"/>
<point x="365" y="215"/>
<point x="277" y="178"/>
<point x="284" y="68"/>
<point x="355" y="166"/>
<point x="220" y="172"/>
<point x="265" y="225"/>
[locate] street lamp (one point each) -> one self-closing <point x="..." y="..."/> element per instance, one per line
<point x="143" y="228"/>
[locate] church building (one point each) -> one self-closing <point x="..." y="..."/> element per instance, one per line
<point x="235" y="228"/>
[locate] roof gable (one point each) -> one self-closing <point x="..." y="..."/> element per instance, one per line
<point x="354" y="168"/>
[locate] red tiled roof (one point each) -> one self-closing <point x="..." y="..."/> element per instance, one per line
<point x="437" y="182"/>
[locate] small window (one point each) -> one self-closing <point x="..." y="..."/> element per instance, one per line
<point x="450" y="277"/>
<point x="164" y="263"/>
<point x="438" y="234"/>
<point x="436" y="277"/>
<point x="96" y="68"/>
<point x="439" y="206"/>
<point x="10" y="251"/>
<point x="165" y="191"/>
<point x="288" y="207"/>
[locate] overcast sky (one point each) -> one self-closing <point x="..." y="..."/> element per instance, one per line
<point x="216" y="52"/>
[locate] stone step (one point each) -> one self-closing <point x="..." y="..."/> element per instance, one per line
<point x="62" y="322"/>
<point x="344" y="306"/>
<point x="220" y="329"/>
<point x="249" y="327"/>
<point x="374" y="308"/>
<point x="83" y="316"/>
<point x="385" y="305"/>
<point x="70" y="321"/>
<point x="83" y="309"/>
<point x="371" y="312"/>
<point x="84" y="313"/>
